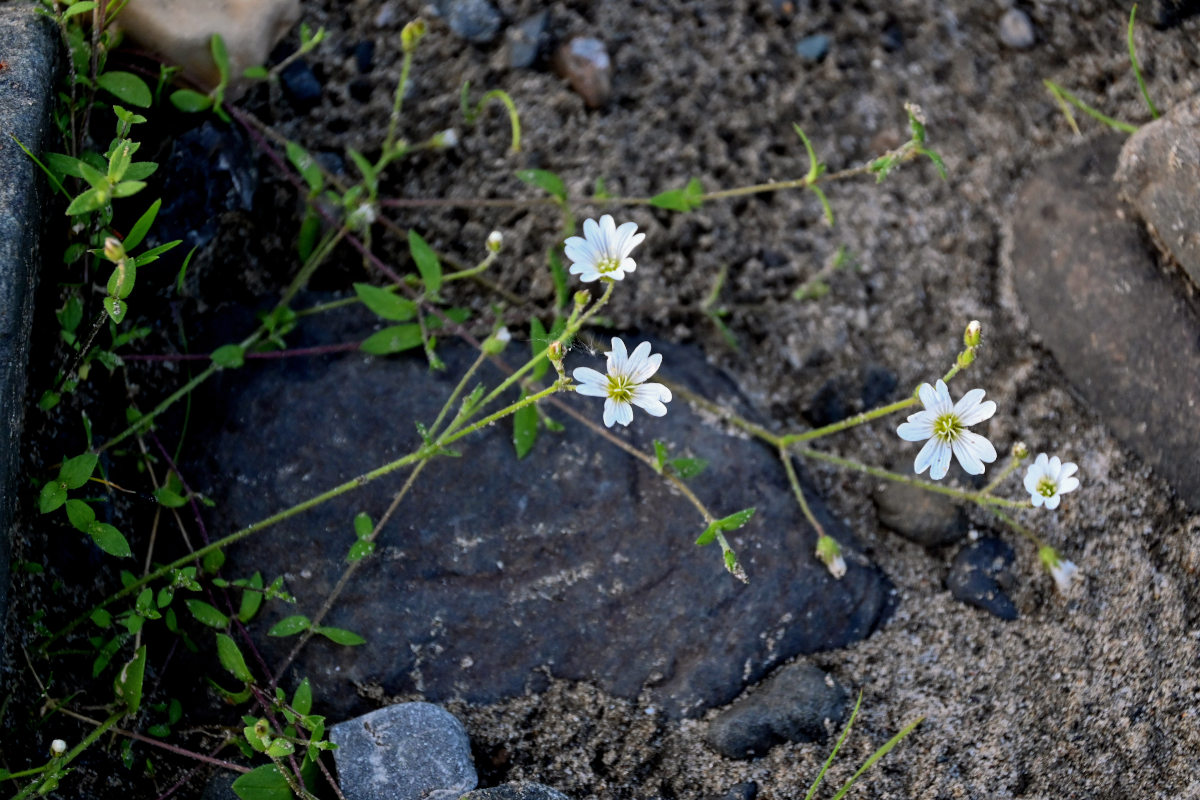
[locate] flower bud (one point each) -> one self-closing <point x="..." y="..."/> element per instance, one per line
<point x="114" y="251"/>
<point x="581" y="298"/>
<point x="494" y="344"/>
<point x="1064" y="572"/>
<point x="445" y="139"/>
<point x="495" y="241"/>
<point x="1020" y="451"/>
<point x="411" y="34"/>
<point x="830" y="554"/>
<point x="57" y="748"/>
<point x="973" y="333"/>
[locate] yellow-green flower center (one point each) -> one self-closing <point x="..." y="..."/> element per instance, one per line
<point x="947" y="427"/>
<point x="607" y="265"/>
<point x="1046" y="487"/>
<point x="620" y="388"/>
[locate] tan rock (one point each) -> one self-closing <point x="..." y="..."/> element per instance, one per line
<point x="180" y="31"/>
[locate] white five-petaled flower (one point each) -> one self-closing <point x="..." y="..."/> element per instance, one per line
<point x="1048" y="479"/>
<point x="603" y="251"/>
<point x="945" y="425"/>
<point x="625" y="384"/>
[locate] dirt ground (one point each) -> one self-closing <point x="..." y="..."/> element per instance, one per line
<point x="1093" y="695"/>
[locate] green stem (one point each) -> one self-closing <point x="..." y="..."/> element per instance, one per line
<point x="848" y="422"/>
<point x="513" y="119"/>
<point x="467" y="273"/>
<point x="462" y="384"/>
<point x="398" y="101"/>
<point x="1061" y="95"/>
<point x="1009" y="469"/>
<point x="1018" y="527"/>
<point x="315" y="260"/>
<point x="786" y="458"/>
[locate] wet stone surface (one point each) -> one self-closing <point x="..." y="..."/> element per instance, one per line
<point x="578" y="562"/>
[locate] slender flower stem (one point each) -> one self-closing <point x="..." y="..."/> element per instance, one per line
<point x="786" y="458"/>
<point x="398" y="101"/>
<point x="475" y="270"/>
<point x="723" y="413"/>
<point x="848" y="422"/>
<point x="980" y="498"/>
<point x="1009" y="469"/>
<point x="1018" y="527"/>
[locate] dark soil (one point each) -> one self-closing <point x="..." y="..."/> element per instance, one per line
<point x="1090" y="696"/>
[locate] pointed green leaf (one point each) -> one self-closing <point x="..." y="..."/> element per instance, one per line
<point x="115" y="308"/>
<point x="128" y="683"/>
<point x="127" y="87"/>
<point x="363" y="525"/>
<point x="290" y="626"/>
<point x="140" y="170"/>
<point x="360" y="550"/>
<point x="525" y="428"/>
<point x="688" y="467"/>
<point x="538" y="341"/>
<point x="120" y="283"/>
<point x="307" y="166"/>
<point x="264" y="783"/>
<point x="341" y="636"/>
<point x="169" y="498"/>
<point x="709" y="535"/>
<point x="232" y="659"/>
<point x="140" y="228"/>
<point x="660" y="455"/>
<point x="52" y="496"/>
<point x="207" y="615"/>
<point x="302" y="700"/>
<point x="220" y="57"/>
<point x="230" y="356"/>
<point x="76" y="471"/>
<point x="251" y="600"/>
<point x="736" y="520"/>
<point x="190" y="102"/>
<point x="427" y="262"/>
<point x="688" y="198"/>
<point x="90" y="200"/>
<point x="81" y="515"/>
<point x="386" y="304"/>
<point x="545" y="180"/>
<point x="393" y="340"/>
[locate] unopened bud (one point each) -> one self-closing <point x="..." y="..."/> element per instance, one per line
<point x="581" y="298"/>
<point x="411" y="34"/>
<point x="830" y="554"/>
<point x="555" y="351"/>
<point x="114" y="251"/>
<point x="1020" y="451"/>
<point x="446" y="139"/>
<point x="494" y="344"/>
<point x="495" y="241"/>
<point x="973" y="334"/>
<point x="966" y="358"/>
<point x="58" y="747"/>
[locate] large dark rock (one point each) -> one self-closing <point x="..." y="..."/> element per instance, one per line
<point x="520" y="790"/>
<point x="796" y="704"/>
<point x="1159" y="172"/>
<point x="578" y="561"/>
<point x="1123" y="330"/>
<point x="29" y="46"/>
<point x="981" y="575"/>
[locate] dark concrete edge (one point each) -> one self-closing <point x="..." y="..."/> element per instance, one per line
<point x="29" y="46"/>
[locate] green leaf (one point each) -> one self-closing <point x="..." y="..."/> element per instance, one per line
<point x="427" y="262"/>
<point x="251" y="600"/>
<point x="363" y="525"/>
<point x="660" y="455"/>
<point x="341" y="636"/>
<point x="290" y="626"/>
<point x="52" y="496"/>
<point x="120" y="283"/>
<point x="688" y="467"/>
<point x="264" y="783"/>
<point x="280" y="748"/>
<point x="525" y="429"/>
<point x="306" y="165"/>
<point x="360" y="550"/>
<point x="231" y="356"/>
<point x="90" y="200"/>
<point x="127" y="87"/>
<point x="546" y="180"/>
<point x="736" y="520"/>
<point x="386" y="304"/>
<point x="306" y="240"/>
<point x="102" y="618"/>
<point x="140" y="170"/>
<point x="207" y="615"/>
<point x="76" y="471"/>
<point x="256" y="73"/>
<point x="709" y="535"/>
<point x="538" y="342"/>
<point x="80" y="514"/>
<point x="220" y="57"/>
<point x="154" y="252"/>
<point x="688" y="198"/>
<point x="128" y="684"/>
<point x="84" y="7"/>
<point x="393" y="340"/>
<point x="558" y="274"/>
<point x="231" y="658"/>
<point x="63" y="165"/>
<point x="302" y="700"/>
<point x="190" y="102"/>
<point x="364" y="166"/>
<point x="119" y="161"/>
<point x="169" y="498"/>
<point x="127" y="188"/>
<point x="115" y="308"/>
<point x="140" y="228"/>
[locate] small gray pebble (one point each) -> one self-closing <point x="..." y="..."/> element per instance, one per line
<point x="1016" y="30"/>
<point x="813" y="48"/>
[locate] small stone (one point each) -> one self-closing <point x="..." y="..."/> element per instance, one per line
<point x="477" y="21"/>
<point x="300" y="84"/>
<point x="980" y="575"/>
<point x="527" y="39"/>
<point x="1159" y="171"/>
<point x="793" y="705"/>
<point x="1016" y="29"/>
<point x="181" y="32"/>
<point x="409" y="751"/>
<point x="364" y="56"/>
<point x="584" y="62"/>
<point x="520" y="790"/>
<point x="813" y="48"/>
<point x="387" y="15"/>
<point x="741" y="791"/>
<point x="926" y="518"/>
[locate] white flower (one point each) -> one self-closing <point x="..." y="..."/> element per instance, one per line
<point x="624" y="386"/>
<point x="1048" y="479"/>
<point x="58" y="747"/>
<point x="604" y="250"/>
<point x="1064" y="572"/>
<point x="945" y="425"/>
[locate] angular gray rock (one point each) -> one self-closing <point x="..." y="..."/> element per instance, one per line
<point x="1159" y="173"/>
<point x="1121" y="329"/>
<point x="577" y="562"/>
<point x="409" y="751"/>
<point x="519" y="790"/>
<point x="929" y="519"/>
<point x="29" y="45"/>
<point x="793" y="705"/>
